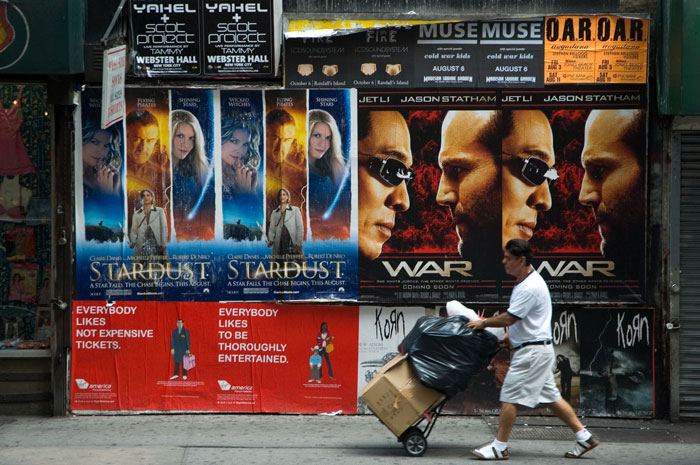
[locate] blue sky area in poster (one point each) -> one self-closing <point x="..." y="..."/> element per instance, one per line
<point x="216" y="250"/>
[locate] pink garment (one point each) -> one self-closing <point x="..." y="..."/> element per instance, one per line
<point x="14" y="159"/>
<point x="15" y="291"/>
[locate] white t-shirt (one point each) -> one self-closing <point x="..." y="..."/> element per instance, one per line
<point x="531" y="305"/>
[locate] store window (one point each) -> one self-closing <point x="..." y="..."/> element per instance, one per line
<point x="25" y="213"/>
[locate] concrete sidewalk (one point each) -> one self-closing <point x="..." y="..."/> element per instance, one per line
<point x="307" y="439"/>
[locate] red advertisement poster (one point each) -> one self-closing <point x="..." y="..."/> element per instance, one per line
<point x="214" y="357"/>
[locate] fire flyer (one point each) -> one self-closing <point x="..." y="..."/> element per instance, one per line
<point x="212" y="357"/>
<point x="195" y="215"/>
<point x="458" y="174"/>
<point x="165" y="37"/>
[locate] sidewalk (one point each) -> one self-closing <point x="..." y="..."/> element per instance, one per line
<point x="308" y="439"/>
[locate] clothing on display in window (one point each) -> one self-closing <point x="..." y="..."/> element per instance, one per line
<point x="15" y="159"/>
<point x="14" y="199"/>
<point x="20" y="243"/>
<point x="23" y="285"/>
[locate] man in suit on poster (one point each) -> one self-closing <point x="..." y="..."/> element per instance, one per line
<point x="179" y="347"/>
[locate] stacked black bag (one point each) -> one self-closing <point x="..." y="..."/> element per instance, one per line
<point x="445" y="354"/>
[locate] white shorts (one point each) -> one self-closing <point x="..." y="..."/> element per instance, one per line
<point x="530" y="378"/>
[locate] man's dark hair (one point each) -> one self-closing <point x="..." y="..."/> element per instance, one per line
<point x="520" y="248"/>
<point x="279" y="116"/>
<point x="142" y="117"/>
<point x="635" y="136"/>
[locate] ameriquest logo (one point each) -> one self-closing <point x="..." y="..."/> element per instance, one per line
<point x="82" y="384"/>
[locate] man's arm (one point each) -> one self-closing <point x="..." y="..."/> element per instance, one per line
<point x="499" y="321"/>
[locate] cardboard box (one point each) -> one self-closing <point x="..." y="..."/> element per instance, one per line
<point x="397" y="396"/>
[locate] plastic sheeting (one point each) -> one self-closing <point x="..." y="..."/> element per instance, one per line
<point x="445" y="353"/>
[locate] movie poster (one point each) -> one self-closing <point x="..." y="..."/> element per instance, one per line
<point x="285" y="152"/>
<point x="329" y="165"/>
<point x="192" y="165"/>
<point x="416" y="240"/>
<point x="212" y="357"/>
<point x="100" y="156"/>
<point x="147" y="150"/>
<point x="308" y="196"/>
<point x="447" y="178"/>
<point x="382" y="329"/>
<point x="591" y="242"/>
<point x="188" y="221"/>
<point x="617" y="363"/>
<point x="242" y="167"/>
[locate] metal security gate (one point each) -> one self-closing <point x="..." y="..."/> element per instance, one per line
<point x="689" y="261"/>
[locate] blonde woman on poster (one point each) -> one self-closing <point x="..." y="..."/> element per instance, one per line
<point x="190" y="175"/>
<point x="328" y="200"/>
<point x="325" y="155"/>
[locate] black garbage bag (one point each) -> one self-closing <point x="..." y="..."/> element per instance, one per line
<point x="445" y="354"/>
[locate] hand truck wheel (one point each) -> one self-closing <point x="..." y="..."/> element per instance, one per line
<point x="414" y="443"/>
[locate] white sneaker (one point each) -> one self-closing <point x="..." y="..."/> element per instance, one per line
<point x="581" y="447"/>
<point x="184" y="377"/>
<point x="488" y="452"/>
<point x="174" y="377"/>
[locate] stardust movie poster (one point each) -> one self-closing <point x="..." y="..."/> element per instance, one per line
<point x="447" y="178"/>
<point x="194" y="214"/>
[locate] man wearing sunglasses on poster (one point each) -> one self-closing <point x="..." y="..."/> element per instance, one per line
<point x="384" y="161"/>
<point x="527" y="170"/>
